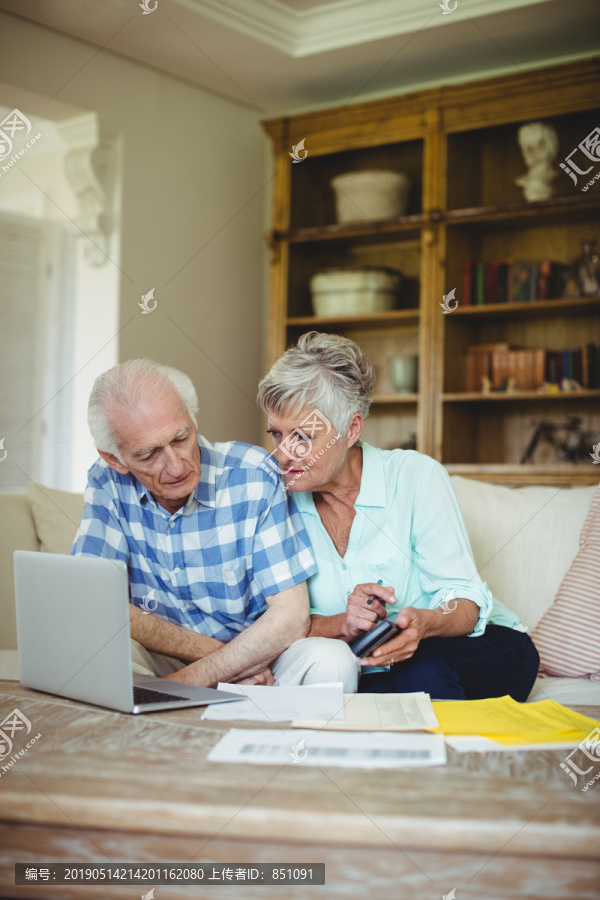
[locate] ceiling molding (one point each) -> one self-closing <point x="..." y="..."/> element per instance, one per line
<point x="263" y="20"/>
<point x="343" y="23"/>
<point x="255" y="46"/>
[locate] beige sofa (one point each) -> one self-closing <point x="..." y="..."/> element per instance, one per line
<point x="46" y="520"/>
<point x="523" y="540"/>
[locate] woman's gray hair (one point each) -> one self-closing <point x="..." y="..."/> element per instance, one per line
<point x="122" y="386"/>
<point x="323" y="371"/>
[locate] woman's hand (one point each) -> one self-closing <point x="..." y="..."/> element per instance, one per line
<point x="415" y="626"/>
<point x="361" y="615"/>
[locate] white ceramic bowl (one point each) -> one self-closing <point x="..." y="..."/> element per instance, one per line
<point x="371" y="195"/>
<point x="347" y="292"/>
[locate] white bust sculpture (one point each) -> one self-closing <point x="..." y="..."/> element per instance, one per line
<point x="539" y="146"/>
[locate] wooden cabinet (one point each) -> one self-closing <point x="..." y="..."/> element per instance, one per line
<point x="458" y="145"/>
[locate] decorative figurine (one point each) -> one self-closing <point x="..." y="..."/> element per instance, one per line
<point x="539" y="145"/>
<point x="570" y="442"/>
<point x="586" y="270"/>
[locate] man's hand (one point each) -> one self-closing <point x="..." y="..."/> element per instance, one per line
<point x="264" y="678"/>
<point x="361" y="615"/>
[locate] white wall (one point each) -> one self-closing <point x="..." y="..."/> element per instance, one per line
<point x="192" y="219"/>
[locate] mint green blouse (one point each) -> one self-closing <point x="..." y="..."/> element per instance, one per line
<point x="409" y="532"/>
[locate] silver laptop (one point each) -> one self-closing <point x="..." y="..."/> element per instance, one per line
<point x="73" y="636"/>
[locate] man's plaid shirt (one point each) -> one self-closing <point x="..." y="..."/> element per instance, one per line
<point x="209" y="566"/>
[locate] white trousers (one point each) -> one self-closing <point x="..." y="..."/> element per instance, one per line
<point x="313" y="660"/>
<point x="317" y="660"/>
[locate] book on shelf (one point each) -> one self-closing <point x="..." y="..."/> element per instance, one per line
<point x="522" y="282"/>
<point x="531" y="367"/>
<point x="490" y="282"/>
<point x="479" y="363"/>
<point x="510" y="281"/>
<point x="593" y="365"/>
<point x="467" y="267"/>
<point x="478" y="284"/>
<point x="504" y="293"/>
<point x="552" y="279"/>
<point x="527" y="367"/>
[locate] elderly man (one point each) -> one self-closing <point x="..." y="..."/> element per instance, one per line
<point x="216" y="553"/>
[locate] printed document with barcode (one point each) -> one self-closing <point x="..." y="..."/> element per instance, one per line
<point x="372" y="750"/>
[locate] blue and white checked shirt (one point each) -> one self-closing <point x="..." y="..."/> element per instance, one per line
<point x="210" y="565"/>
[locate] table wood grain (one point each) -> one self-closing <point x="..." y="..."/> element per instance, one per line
<point x="100" y="787"/>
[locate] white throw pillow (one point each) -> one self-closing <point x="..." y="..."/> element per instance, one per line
<point x="523" y="539"/>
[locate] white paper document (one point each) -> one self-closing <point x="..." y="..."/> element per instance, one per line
<point x="379" y="712"/>
<point x="477" y="743"/>
<point x="280" y="704"/>
<point x="372" y="750"/>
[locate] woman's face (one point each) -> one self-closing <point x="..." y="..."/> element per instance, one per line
<point x="308" y="448"/>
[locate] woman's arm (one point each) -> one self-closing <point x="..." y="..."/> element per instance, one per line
<point x="442" y="554"/>
<point x="329" y="626"/>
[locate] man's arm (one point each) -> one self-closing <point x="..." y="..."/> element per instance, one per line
<point x="285" y="621"/>
<point x="171" y="640"/>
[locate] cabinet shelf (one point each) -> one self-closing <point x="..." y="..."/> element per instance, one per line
<point x="403" y="225"/>
<point x="534" y="308"/>
<point x="459" y="147"/>
<point x="543" y="212"/>
<point x="517" y="397"/>
<point x="373" y="320"/>
<point x="561" y="475"/>
<point x="392" y="399"/>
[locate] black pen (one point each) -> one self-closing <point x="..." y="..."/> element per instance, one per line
<point x="373" y="597"/>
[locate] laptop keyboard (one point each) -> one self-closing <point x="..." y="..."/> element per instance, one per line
<point x="147" y="695"/>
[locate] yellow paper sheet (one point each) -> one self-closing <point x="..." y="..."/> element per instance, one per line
<point x="507" y="722"/>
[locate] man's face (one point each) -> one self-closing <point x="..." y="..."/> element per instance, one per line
<point x="158" y="445"/>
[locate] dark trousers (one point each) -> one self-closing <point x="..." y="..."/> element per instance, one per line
<point x="501" y="661"/>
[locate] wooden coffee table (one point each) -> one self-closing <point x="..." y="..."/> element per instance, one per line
<point x="102" y="787"/>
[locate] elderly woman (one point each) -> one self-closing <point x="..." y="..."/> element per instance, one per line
<point x="387" y="536"/>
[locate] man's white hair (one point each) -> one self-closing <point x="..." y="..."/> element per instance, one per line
<point x="327" y="372"/>
<point x="122" y="387"/>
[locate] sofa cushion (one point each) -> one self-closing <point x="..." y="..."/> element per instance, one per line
<point x="523" y="539"/>
<point x="9" y="665"/>
<point x="143" y="663"/>
<point x="569" y="691"/>
<point x="17" y="532"/>
<point x="568" y="634"/>
<point x="57" y="515"/>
